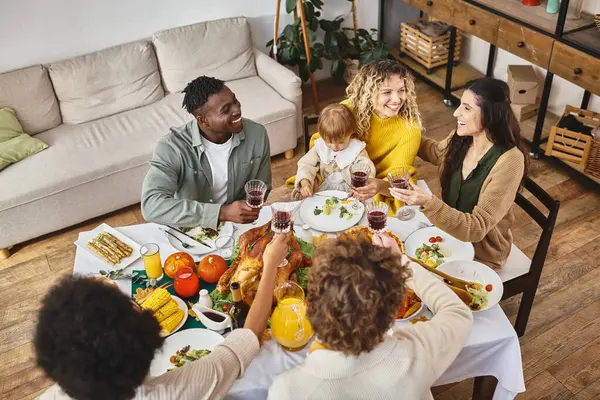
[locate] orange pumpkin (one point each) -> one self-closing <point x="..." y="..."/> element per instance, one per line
<point x="176" y="261"/>
<point x="211" y="268"/>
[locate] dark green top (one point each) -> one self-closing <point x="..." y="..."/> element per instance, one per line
<point x="464" y="194"/>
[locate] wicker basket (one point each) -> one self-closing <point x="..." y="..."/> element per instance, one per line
<point x="593" y="163"/>
<point x="597" y="20"/>
<point x="428" y="51"/>
<point x="572" y="146"/>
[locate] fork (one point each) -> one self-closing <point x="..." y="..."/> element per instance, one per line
<point x="183" y="244"/>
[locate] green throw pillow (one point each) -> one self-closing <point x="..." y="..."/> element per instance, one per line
<point x="15" y="145"/>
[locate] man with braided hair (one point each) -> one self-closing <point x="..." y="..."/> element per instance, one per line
<point x="198" y="171"/>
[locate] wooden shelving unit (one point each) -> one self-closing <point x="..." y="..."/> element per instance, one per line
<point x="573" y="165"/>
<point x="588" y="38"/>
<point x="535" y="16"/>
<point x="461" y="74"/>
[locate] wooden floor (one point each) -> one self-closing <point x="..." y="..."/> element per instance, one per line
<point x="561" y="350"/>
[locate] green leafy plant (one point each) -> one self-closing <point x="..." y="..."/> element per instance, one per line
<point x="340" y="45"/>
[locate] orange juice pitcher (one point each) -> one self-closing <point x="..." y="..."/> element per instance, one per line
<point x="289" y="324"/>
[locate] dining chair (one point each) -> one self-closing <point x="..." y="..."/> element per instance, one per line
<point x="521" y="275"/>
<point x="526" y="281"/>
<point x="308" y="121"/>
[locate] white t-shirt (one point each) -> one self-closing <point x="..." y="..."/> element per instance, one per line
<point x="218" y="158"/>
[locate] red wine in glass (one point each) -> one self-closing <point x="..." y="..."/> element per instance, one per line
<point x="281" y="221"/>
<point x="359" y="178"/>
<point x="377" y="220"/>
<point x="254" y="198"/>
<point x="400" y="183"/>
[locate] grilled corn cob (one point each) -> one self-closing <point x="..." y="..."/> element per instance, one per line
<point x="156" y="299"/>
<point x="171" y="322"/>
<point x="166" y="311"/>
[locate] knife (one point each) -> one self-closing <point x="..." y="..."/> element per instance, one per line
<point x="194" y="239"/>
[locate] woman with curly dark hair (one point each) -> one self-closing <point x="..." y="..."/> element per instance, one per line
<point x="354" y="293"/>
<point x="96" y="344"/>
<point x="483" y="163"/>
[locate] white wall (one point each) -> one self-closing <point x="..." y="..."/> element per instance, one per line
<point x="563" y="92"/>
<point x="38" y="31"/>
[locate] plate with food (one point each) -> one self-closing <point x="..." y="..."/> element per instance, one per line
<point x="357" y="231"/>
<point x="434" y="247"/>
<point x="109" y="246"/>
<point x="201" y="240"/>
<point x="183" y="347"/>
<point x="411" y="307"/>
<point x="331" y="211"/>
<point x="479" y="286"/>
<point x="170" y="311"/>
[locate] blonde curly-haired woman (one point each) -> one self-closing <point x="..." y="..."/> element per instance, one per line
<point x="383" y="100"/>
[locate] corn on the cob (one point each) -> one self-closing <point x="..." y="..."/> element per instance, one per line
<point x="156" y="299"/>
<point x="166" y="311"/>
<point x="172" y="321"/>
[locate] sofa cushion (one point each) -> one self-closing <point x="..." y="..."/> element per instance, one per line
<point x="29" y="92"/>
<point x="271" y="107"/>
<point x="79" y="154"/>
<point x="14" y="144"/>
<point x="221" y="49"/>
<point x="106" y="82"/>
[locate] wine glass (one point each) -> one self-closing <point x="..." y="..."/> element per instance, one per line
<point x="281" y="221"/>
<point x="359" y="175"/>
<point x="255" y="194"/>
<point x="399" y="178"/>
<point x="377" y="216"/>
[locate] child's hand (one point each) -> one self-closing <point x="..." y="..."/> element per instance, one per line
<point x="306" y="188"/>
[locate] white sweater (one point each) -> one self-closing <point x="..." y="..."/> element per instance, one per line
<point x="403" y="367"/>
<point x="208" y="378"/>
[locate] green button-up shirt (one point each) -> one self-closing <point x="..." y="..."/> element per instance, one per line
<point x="178" y="187"/>
<point x="464" y="193"/>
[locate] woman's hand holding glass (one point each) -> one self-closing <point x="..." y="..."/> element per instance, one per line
<point x="414" y="197"/>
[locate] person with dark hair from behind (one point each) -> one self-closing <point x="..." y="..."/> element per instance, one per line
<point x="96" y="344"/>
<point x="354" y="293"/>
<point x="198" y="171"/>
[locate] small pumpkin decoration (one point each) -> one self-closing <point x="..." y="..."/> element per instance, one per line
<point x="211" y="268"/>
<point x="176" y="261"/>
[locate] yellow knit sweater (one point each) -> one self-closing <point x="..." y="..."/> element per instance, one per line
<point x="392" y="143"/>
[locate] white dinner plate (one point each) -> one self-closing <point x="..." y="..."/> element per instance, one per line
<point x="197" y="248"/>
<point x="196" y="338"/>
<point x="450" y="247"/>
<point x="474" y="271"/>
<point x="331" y="222"/>
<point x="85" y="237"/>
<point x="183" y="307"/>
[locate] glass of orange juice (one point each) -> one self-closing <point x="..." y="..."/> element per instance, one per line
<point x="151" y="255"/>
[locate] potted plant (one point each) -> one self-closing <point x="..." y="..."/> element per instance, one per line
<point x="348" y="49"/>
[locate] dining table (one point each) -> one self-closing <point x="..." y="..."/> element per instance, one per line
<point x="492" y="348"/>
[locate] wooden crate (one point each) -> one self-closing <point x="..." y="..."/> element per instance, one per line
<point x="572" y="146"/>
<point x="428" y="51"/>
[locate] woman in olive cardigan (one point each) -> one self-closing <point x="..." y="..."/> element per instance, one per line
<point x="482" y="166"/>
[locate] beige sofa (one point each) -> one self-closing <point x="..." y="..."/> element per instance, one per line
<point x="102" y="113"/>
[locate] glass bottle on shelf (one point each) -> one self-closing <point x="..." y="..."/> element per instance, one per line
<point x="239" y="310"/>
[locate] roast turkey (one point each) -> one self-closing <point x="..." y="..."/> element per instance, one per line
<point x="247" y="269"/>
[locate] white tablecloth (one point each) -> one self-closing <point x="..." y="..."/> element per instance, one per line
<point x="491" y="349"/>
